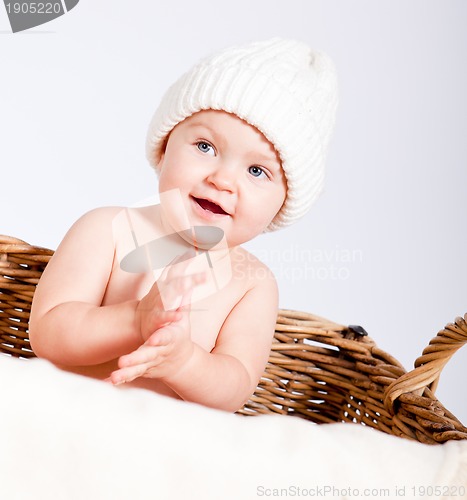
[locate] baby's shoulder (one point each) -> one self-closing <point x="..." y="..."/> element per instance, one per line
<point x="114" y="219"/>
<point x="248" y="267"/>
<point x="93" y="226"/>
<point x="88" y="242"/>
<point x="98" y="217"/>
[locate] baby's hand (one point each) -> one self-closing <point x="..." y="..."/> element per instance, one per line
<point x="161" y="306"/>
<point x="162" y="355"/>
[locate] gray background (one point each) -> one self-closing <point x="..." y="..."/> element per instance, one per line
<point x="385" y="245"/>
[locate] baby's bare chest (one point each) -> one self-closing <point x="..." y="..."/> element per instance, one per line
<point x="210" y="304"/>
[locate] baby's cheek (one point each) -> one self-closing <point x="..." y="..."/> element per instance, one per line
<point x="174" y="210"/>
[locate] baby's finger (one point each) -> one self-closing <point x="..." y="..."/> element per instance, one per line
<point x="143" y="354"/>
<point x="186" y="301"/>
<point x="172" y="292"/>
<point x="125" y="375"/>
<point x="168" y="267"/>
<point x="178" y="265"/>
<point x="162" y="316"/>
<point x="188" y="282"/>
<point x="162" y="337"/>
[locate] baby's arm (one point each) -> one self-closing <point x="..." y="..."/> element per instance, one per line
<point x="68" y="325"/>
<point x="227" y="376"/>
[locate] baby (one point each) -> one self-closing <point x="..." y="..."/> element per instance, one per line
<point x="164" y="297"/>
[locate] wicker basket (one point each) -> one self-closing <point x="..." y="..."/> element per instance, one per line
<point x="317" y="370"/>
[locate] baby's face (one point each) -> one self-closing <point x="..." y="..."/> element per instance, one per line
<point x="227" y="173"/>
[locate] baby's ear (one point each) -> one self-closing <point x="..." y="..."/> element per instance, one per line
<point x="161" y="156"/>
<point x="159" y="164"/>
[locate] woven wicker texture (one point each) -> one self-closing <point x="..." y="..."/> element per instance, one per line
<point x="326" y="372"/>
<point x="21" y="266"/>
<point x="317" y="370"/>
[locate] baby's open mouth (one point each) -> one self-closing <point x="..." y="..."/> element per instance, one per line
<point x="210" y="206"/>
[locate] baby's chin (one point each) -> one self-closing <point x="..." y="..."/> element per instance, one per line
<point x="202" y="237"/>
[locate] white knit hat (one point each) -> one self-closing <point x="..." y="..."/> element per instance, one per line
<point x="283" y="88"/>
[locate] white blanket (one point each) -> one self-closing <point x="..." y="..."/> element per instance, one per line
<point x="67" y="437"/>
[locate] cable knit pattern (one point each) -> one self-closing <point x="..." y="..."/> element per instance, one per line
<point x="282" y="87"/>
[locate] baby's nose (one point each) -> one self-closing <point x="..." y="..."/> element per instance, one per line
<point x="223" y="178"/>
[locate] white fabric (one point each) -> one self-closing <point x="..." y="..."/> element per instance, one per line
<point x="282" y="87"/>
<point x="68" y="437"/>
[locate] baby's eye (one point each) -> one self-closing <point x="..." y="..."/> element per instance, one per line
<point x="257" y="171"/>
<point x="206" y="148"/>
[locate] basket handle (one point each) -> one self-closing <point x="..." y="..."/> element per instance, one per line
<point x="429" y="365"/>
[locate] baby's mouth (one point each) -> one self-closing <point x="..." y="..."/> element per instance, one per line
<point x="210" y="206"/>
